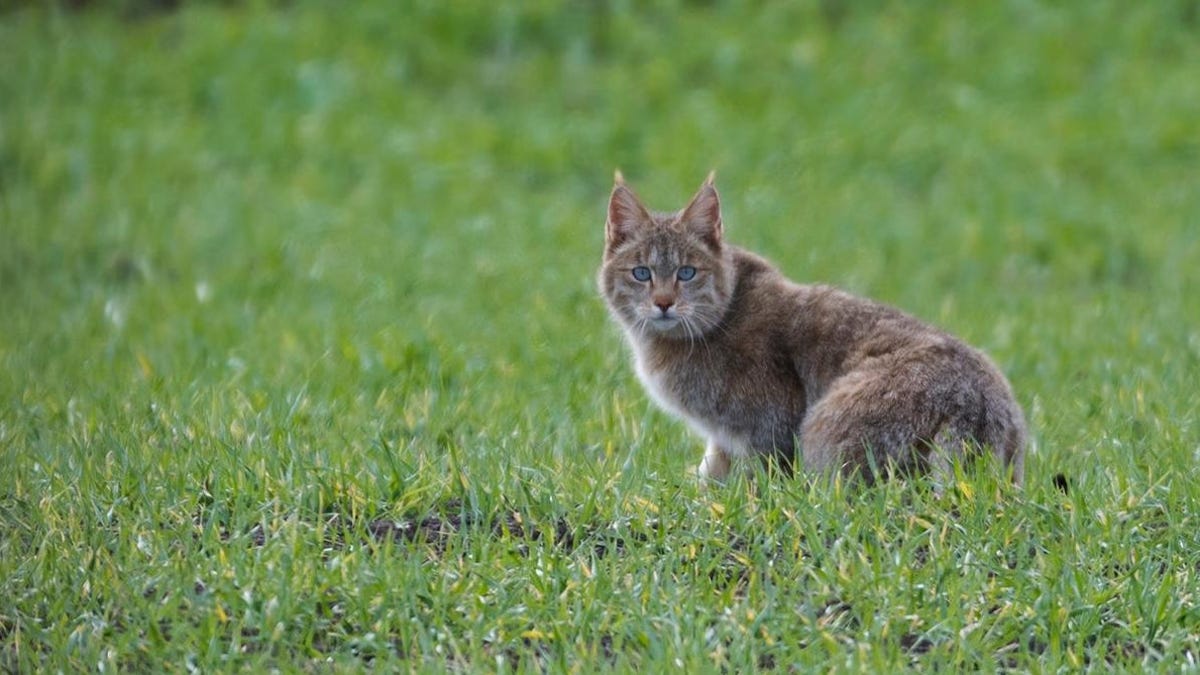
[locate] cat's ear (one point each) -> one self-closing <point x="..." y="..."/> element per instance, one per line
<point x="625" y="213"/>
<point x="702" y="215"/>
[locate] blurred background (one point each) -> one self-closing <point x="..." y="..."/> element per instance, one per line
<point x="388" y="216"/>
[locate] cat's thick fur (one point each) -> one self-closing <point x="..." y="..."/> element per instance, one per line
<point x="762" y="366"/>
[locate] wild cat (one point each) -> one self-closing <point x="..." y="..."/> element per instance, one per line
<point x="764" y="367"/>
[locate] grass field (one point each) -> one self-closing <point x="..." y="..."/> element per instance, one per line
<point x="302" y="365"/>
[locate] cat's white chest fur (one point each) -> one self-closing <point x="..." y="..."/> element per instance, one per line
<point x="656" y="384"/>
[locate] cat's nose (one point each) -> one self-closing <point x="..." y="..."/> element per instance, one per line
<point x="664" y="305"/>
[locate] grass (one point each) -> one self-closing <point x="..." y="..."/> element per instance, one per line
<point x="303" y="367"/>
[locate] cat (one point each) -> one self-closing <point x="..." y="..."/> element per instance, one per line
<point x="763" y="367"/>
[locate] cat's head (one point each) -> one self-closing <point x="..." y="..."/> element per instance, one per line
<point x="666" y="274"/>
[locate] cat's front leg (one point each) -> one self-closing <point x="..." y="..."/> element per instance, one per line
<point x="715" y="465"/>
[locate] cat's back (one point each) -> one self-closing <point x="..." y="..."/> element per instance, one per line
<point x="822" y="321"/>
<point x="826" y="332"/>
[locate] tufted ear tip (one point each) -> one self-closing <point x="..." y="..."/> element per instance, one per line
<point x="618" y="177"/>
<point x="702" y="215"/>
<point x="625" y="213"/>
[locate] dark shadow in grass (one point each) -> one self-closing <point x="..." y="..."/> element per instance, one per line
<point x="438" y="526"/>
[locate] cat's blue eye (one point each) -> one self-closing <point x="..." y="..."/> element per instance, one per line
<point x="641" y="273"/>
<point x="686" y="273"/>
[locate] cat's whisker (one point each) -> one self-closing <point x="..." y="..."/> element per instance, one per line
<point x="707" y="321"/>
<point x="702" y="338"/>
<point x="641" y="327"/>
<point x="691" y="334"/>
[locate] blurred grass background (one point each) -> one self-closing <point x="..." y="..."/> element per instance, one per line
<point x="269" y="257"/>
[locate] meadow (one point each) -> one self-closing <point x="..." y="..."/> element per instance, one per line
<point x="303" y="367"/>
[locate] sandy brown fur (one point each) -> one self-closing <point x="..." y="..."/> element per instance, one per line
<point x="762" y="366"/>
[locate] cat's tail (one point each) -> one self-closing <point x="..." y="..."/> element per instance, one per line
<point x="1062" y="483"/>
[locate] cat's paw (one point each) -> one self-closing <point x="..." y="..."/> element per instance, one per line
<point x="714" y="467"/>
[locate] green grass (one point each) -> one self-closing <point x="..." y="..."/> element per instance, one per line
<point x="302" y="365"/>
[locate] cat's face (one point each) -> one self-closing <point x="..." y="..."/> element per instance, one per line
<point x="666" y="274"/>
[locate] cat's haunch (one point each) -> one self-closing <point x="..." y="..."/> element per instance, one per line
<point x="761" y="366"/>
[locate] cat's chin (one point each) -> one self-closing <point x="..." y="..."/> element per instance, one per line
<point x="671" y="328"/>
<point x="665" y="324"/>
